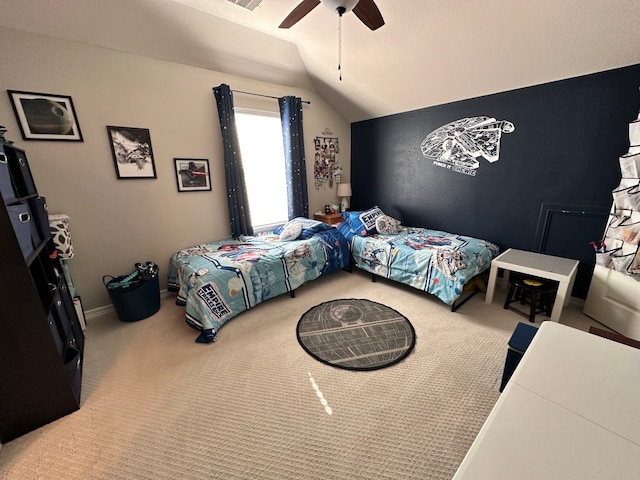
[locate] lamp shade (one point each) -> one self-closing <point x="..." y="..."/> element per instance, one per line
<point x="344" y="190"/>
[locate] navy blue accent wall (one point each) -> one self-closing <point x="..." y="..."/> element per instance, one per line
<point x="550" y="190"/>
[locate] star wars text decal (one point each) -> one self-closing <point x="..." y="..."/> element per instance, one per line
<point x="457" y="145"/>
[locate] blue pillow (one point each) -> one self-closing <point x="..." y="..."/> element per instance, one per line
<point x="345" y="230"/>
<point x="312" y="230"/>
<point x="363" y="223"/>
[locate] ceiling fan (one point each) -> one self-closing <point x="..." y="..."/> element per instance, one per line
<point x="366" y="10"/>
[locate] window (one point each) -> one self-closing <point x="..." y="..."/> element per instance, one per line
<point x="260" y="137"/>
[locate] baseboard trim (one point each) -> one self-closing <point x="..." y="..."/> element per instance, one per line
<point x="108" y="309"/>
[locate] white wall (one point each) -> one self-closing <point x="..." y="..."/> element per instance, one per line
<point x="115" y="223"/>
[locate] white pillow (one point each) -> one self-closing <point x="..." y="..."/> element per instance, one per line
<point x="290" y="231"/>
<point x="387" y="225"/>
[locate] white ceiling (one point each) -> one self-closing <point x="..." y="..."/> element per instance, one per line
<point x="429" y="52"/>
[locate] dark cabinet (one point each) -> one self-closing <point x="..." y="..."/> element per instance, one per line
<point x="41" y="340"/>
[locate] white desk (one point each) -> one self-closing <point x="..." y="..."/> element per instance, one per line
<point x="570" y="411"/>
<point x="562" y="270"/>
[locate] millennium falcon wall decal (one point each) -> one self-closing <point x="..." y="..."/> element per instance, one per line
<point x="458" y="145"/>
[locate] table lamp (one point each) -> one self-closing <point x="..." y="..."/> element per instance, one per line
<point x="344" y="192"/>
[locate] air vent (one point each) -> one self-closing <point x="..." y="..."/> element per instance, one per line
<point x="248" y="4"/>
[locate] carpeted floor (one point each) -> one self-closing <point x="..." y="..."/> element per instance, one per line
<point x="254" y="405"/>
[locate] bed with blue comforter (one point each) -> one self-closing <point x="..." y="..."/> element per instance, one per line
<point x="217" y="281"/>
<point x="434" y="261"/>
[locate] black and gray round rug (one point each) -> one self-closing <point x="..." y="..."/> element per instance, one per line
<point x="355" y="334"/>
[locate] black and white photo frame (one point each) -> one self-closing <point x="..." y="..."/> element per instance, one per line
<point x="45" y="116"/>
<point x="132" y="152"/>
<point x="192" y="174"/>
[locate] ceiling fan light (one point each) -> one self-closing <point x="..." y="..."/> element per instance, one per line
<point x="333" y="5"/>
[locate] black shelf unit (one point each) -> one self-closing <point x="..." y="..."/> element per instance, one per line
<point x="41" y="340"/>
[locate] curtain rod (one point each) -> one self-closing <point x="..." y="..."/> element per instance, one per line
<point x="266" y="96"/>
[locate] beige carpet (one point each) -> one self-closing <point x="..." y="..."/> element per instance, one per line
<point x="254" y="405"/>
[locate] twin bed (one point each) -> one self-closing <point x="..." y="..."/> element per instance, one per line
<point x="437" y="262"/>
<point x="217" y="281"/>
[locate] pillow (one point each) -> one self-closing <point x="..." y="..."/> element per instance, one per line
<point x="308" y="228"/>
<point x="307" y="222"/>
<point x="346" y="231"/>
<point x="364" y="223"/>
<point x="310" y="231"/>
<point x="304" y="222"/>
<point x="387" y="225"/>
<point x="290" y="231"/>
<point x="348" y="215"/>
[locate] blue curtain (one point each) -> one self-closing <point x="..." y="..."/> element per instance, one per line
<point x="293" y="138"/>
<point x="234" y="174"/>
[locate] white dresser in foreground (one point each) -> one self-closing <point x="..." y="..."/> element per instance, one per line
<point x="571" y="410"/>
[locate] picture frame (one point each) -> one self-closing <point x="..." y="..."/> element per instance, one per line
<point x="192" y="174"/>
<point x="45" y="116"/>
<point x="132" y="152"/>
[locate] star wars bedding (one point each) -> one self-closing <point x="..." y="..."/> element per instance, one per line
<point x="437" y="262"/>
<point x="219" y="280"/>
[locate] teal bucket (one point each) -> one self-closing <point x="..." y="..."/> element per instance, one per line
<point x="136" y="301"/>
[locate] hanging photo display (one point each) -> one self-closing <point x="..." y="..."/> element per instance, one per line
<point x="326" y="170"/>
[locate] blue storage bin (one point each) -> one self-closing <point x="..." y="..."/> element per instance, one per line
<point x="24" y="228"/>
<point x="135" y="302"/>
<point x="20" y="172"/>
<point x="38" y="208"/>
<point x="518" y="343"/>
<point x="6" y="184"/>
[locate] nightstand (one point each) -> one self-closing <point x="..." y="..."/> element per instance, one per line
<point x="330" y="218"/>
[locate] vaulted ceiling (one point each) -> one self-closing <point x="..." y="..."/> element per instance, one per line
<point x="429" y="51"/>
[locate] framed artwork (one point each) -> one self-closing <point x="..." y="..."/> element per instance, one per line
<point x="44" y="116"/>
<point x="132" y="152"/>
<point x="192" y="174"/>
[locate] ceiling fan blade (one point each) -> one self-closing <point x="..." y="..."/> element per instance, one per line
<point x="367" y="11"/>
<point x="297" y="13"/>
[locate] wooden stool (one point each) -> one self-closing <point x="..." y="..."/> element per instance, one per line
<point x="539" y="293"/>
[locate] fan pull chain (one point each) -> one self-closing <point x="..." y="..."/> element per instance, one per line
<point x="340" y="45"/>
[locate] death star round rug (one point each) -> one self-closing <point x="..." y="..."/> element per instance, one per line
<point x="355" y="334"/>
